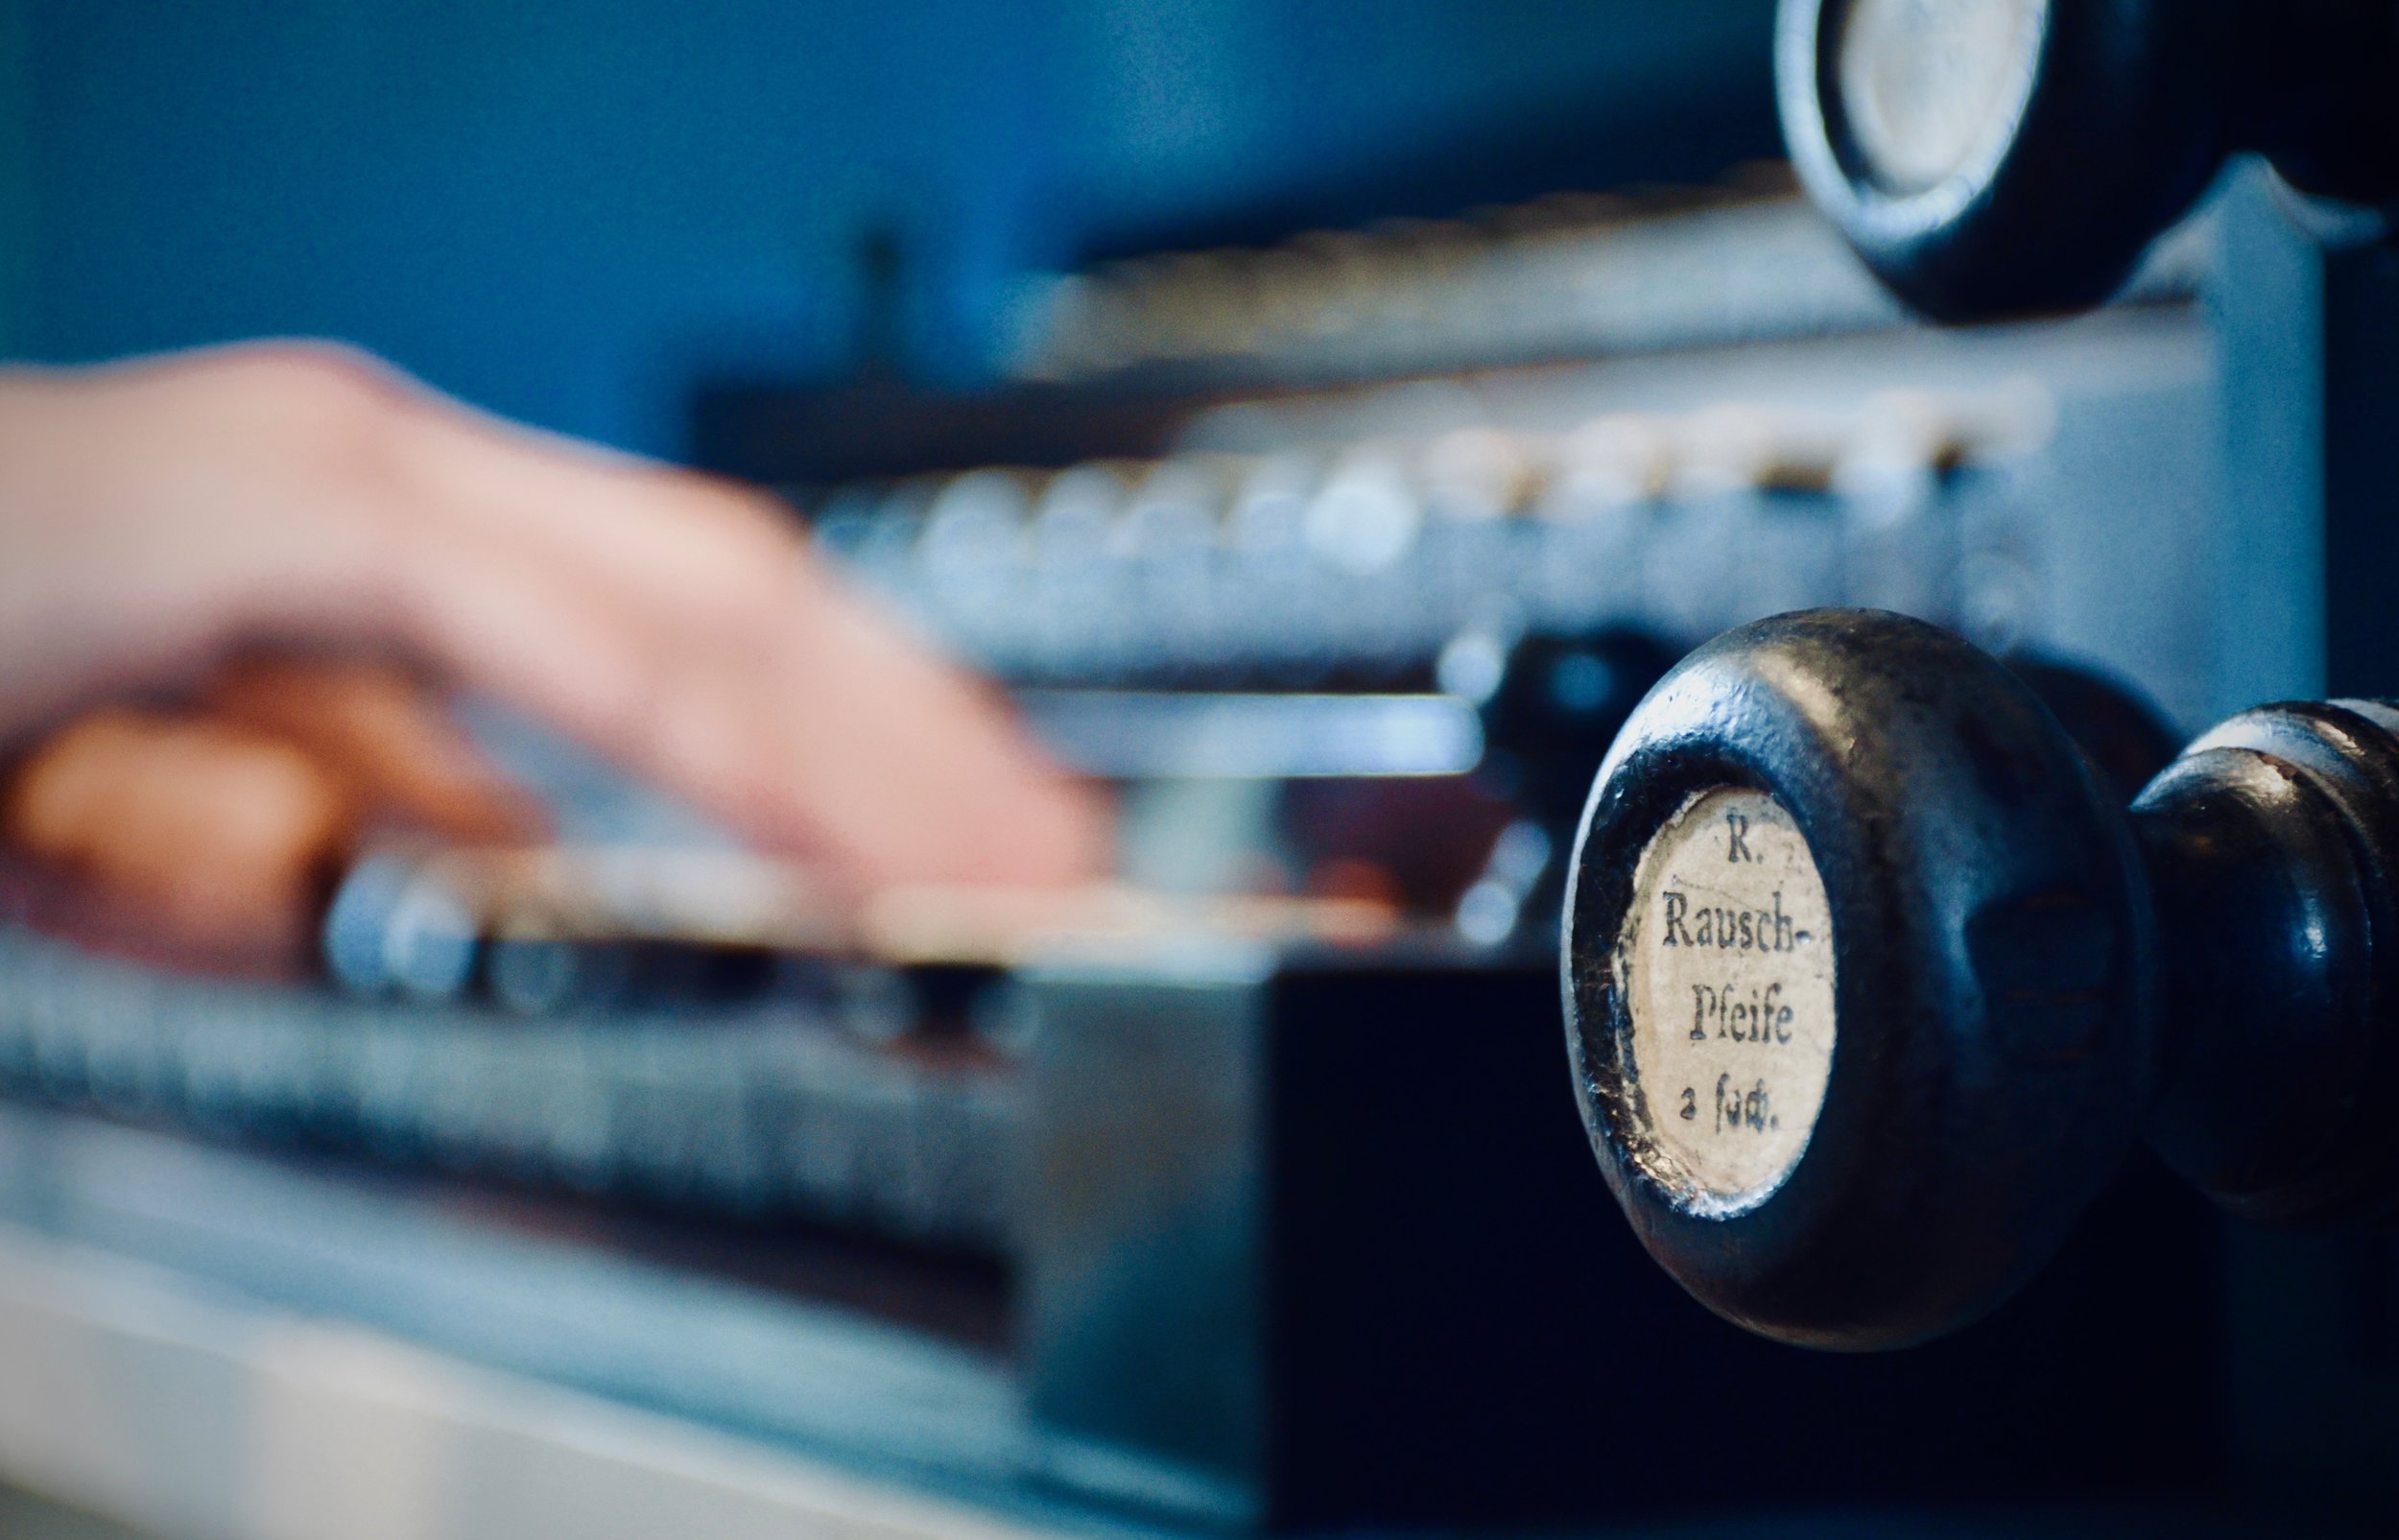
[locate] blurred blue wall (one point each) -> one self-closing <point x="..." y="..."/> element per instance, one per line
<point x="571" y="213"/>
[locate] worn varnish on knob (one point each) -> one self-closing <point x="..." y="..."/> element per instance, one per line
<point x="1872" y="983"/>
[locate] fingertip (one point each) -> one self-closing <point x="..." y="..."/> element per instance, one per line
<point x="1077" y="838"/>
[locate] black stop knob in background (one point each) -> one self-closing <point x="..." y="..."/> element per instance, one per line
<point x="1996" y="157"/>
<point x="1554" y="706"/>
<point x="2117" y="730"/>
<point x="1872" y="981"/>
<point x="1551" y="703"/>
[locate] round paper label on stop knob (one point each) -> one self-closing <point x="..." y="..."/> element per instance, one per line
<point x="1726" y="964"/>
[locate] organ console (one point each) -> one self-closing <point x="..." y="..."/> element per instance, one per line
<point x="1990" y="158"/>
<point x="1871" y="982"/>
<point x="1242" y="1196"/>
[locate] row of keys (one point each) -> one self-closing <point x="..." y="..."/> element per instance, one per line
<point x="1291" y="567"/>
<point x="754" y="1112"/>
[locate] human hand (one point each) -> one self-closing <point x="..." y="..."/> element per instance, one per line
<point x="274" y="559"/>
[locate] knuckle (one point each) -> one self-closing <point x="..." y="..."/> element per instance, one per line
<point x="310" y="369"/>
<point x="754" y="557"/>
<point x="336" y="405"/>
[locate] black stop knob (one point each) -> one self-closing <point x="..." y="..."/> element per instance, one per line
<point x="1554" y="706"/>
<point x="1871" y="982"/>
<point x="1991" y="157"/>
